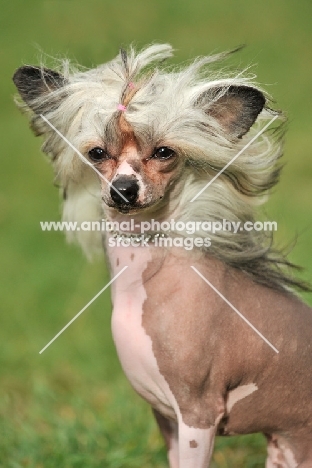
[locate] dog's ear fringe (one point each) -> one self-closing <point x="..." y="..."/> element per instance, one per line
<point x="33" y="82"/>
<point x="235" y="108"/>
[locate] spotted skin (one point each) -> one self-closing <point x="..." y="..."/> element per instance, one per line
<point x="201" y="368"/>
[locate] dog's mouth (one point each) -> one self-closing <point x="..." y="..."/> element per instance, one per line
<point x="126" y="208"/>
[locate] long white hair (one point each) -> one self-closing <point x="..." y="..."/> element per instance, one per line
<point x="173" y="107"/>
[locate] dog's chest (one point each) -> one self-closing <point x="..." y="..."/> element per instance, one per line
<point x="134" y="346"/>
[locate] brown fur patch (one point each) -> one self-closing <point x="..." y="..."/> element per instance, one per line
<point x="126" y="131"/>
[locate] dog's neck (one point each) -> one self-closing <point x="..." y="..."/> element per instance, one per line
<point x="138" y="261"/>
<point x="141" y="253"/>
<point x="147" y="258"/>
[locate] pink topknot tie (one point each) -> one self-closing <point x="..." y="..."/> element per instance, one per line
<point x="121" y="107"/>
<point x="131" y="85"/>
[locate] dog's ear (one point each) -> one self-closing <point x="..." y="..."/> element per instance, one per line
<point x="33" y="82"/>
<point x="236" y="108"/>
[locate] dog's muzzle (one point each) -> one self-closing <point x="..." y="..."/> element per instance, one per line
<point x="124" y="191"/>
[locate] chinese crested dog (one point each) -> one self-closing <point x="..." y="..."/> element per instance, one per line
<point x="211" y="336"/>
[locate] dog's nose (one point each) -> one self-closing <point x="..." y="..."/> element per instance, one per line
<point x="124" y="190"/>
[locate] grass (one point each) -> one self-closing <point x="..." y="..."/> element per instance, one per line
<point x="71" y="424"/>
<point x="71" y="406"/>
<point x="66" y="421"/>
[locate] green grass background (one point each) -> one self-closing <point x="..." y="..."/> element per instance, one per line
<point x="71" y="406"/>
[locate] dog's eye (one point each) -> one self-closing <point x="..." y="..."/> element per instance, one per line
<point x="97" y="154"/>
<point x="163" y="153"/>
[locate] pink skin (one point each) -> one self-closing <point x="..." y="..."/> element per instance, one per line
<point x="279" y="454"/>
<point x="188" y="447"/>
<point x="136" y="355"/>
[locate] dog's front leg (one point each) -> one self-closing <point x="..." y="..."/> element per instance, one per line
<point x="187" y="447"/>
<point x="195" y="446"/>
<point x="169" y="430"/>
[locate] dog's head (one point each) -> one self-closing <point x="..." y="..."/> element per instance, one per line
<point x="138" y="139"/>
<point x="139" y="129"/>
